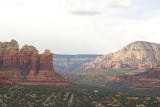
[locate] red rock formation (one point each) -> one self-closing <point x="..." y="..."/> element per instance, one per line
<point x="45" y="67"/>
<point x="35" y="61"/>
<point x="111" y="78"/>
<point x="9" y="54"/>
<point x="27" y="66"/>
<point x="3" y="80"/>
<point x="148" y="80"/>
<point x="27" y="57"/>
<point x="46" y="61"/>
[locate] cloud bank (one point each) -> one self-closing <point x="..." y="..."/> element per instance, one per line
<point x="79" y="26"/>
<point x="94" y="7"/>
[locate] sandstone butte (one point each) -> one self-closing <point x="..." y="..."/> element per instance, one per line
<point x="148" y="80"/>
<point x="26" y="66"/>
<point x="140" y="55"/>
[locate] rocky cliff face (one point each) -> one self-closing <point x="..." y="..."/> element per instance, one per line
<point x="71" y="63"/>
<point x="28" y="58"/>
<point x="27" y="65"/>
<point x="9" y="54"/>
<point x="141" y="55"/>
<point x="46" y="61"/>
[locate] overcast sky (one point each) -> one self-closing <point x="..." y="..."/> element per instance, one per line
<point x="79" y="26"/>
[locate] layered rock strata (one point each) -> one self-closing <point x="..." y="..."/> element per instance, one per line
<point x="140" y="55"/>
<point x="9" y="54"/>
<point x="148" y="80"/>
<point x="27" y="66"/>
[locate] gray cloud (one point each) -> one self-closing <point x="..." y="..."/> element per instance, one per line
<point x="95" y="7"/>
<point x="86" y="13"/>
<point x="45" y="24"/>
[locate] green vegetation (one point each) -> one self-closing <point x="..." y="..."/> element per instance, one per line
<point x="77" y="96"/>
<point x="98" y="78"/>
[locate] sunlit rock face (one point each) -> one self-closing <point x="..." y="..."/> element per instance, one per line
<point x="140" y="55"/>
<point x="27" y="66"/>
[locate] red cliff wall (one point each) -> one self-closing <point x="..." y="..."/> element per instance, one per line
<point x="27" y="66"/>
<point x="9" y="54"/>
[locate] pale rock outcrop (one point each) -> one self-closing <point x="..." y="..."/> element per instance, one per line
<point x="140" y="55"/>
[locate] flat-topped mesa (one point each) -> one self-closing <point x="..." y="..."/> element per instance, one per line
<point x="140" y="55"/>
<point x="9" y="54"/>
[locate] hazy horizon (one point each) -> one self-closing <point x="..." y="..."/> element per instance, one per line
<point x="79" y="26"/>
